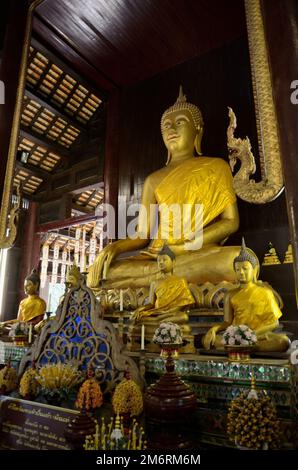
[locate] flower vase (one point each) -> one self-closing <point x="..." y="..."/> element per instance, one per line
<point x="239" y="352"/>
<point x="169" y="351"/>
<point x="20" y="340"/>
<point x="170" y="407"/>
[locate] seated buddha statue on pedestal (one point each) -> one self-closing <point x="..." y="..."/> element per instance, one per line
<point x="202" y="185"/>
<point x="32" y="308"/>
<point x="169" y="297"/>
<point x="252" y="303"/>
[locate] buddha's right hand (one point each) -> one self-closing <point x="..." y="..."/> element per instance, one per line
<point x="139" y="313"/>
<point x="100" y="267"/>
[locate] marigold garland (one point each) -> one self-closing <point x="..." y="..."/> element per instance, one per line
<point x="253" y="423"/>
<point x="127" y="398"/>
<point x="8" y="379"/>
<point x="90" y="395"/>
<point x="29" y="384"/>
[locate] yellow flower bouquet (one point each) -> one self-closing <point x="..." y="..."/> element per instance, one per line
<point x="252" y="422"/>
<point x="57" y="381"/>
<point x="127" y="398"/>
<point x="29" y="386"/>
<point x="90" y="395"/>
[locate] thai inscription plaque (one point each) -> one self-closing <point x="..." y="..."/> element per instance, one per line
<point x="27" y="425"/>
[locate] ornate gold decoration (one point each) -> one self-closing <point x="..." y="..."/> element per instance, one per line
<point x="12" y="223"/>
<point x="8" y="217"/>
<point x="271" y="184"/>
<point x="80" y="337"/>
<point x="289" y="255"/>
<point x="271" y="257"/>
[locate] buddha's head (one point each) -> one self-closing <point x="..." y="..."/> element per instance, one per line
<point x="166" y="259"/>
<point x="32" y="282"/>
<point x="246" y="265"/>
<point x="73" y="277"/>
<point x="182" y="128"/>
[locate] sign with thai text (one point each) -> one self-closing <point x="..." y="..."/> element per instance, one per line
<point x="26" y="425"/>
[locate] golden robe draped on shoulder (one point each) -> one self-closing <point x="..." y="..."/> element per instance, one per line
<point x="255" y="306"/>
<point x="201" y="182"/>
<point x="30" y="308"/>
<point x="173" y="292"/>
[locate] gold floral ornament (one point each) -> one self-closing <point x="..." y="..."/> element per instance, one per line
<point x="127" y="397"/>
<point x="252" y="421"/>
<point x="8" y="379"/>
<point x="29" y="385"/>
<point x="90" y="395"/>
<point x="58" y="380"/>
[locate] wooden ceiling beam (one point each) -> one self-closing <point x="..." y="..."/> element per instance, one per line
<point x="34" y="170"/>
<point x="60" y="224"/>
<point x="82" y="209"/>
<point x="60" y="63"/>
<point x="98" y="186"/>
<point x="74" y="180"/>
<point x="44" y="142"/>
<point x="32" y="94"/>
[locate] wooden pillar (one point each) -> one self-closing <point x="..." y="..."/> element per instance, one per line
<point x="30" y="246"/>
<point x="111" y="165"/>
<point x="9" y="74"/>
<point x="281" y="29"/>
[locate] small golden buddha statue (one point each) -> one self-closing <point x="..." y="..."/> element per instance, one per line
<point x="252" y="303"/>
<point x="204" y="186"/>
<point x="169" y="297"/>
<point x="271" y="256"/>
<point x="31" y="309"/>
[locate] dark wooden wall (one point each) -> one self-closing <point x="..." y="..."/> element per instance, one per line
<point x="214" y="81"/>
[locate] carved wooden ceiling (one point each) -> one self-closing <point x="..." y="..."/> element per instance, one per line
<point x="119" y="42"/>
<point x="57" y="112"/>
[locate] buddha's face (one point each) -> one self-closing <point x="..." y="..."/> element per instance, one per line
<point x="179" y="133"/>
<point x="30" y="287"/>
<point x="245" y="272"/>
<point x="165" y="264"/>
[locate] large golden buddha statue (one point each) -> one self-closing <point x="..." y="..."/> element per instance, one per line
<point x="190" y="188"/>
<point x="32" y="308"/>
<point x="252" y="303"/>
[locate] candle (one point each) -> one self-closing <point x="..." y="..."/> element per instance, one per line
<point x="104" y="273"/>
<point x="30" y="334"/>
<point x="121" y="300"/>
<point x="143" y="338"/>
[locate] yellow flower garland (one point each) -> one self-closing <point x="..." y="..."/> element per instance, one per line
<point x="8" y="378"/>
<point x="28" y="383"/>
<point x="127" y="398"/>
<point x="90" y="395"/>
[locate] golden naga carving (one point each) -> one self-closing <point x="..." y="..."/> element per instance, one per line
<point x="11" y="232"/>
<point x="271" y="184"/>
